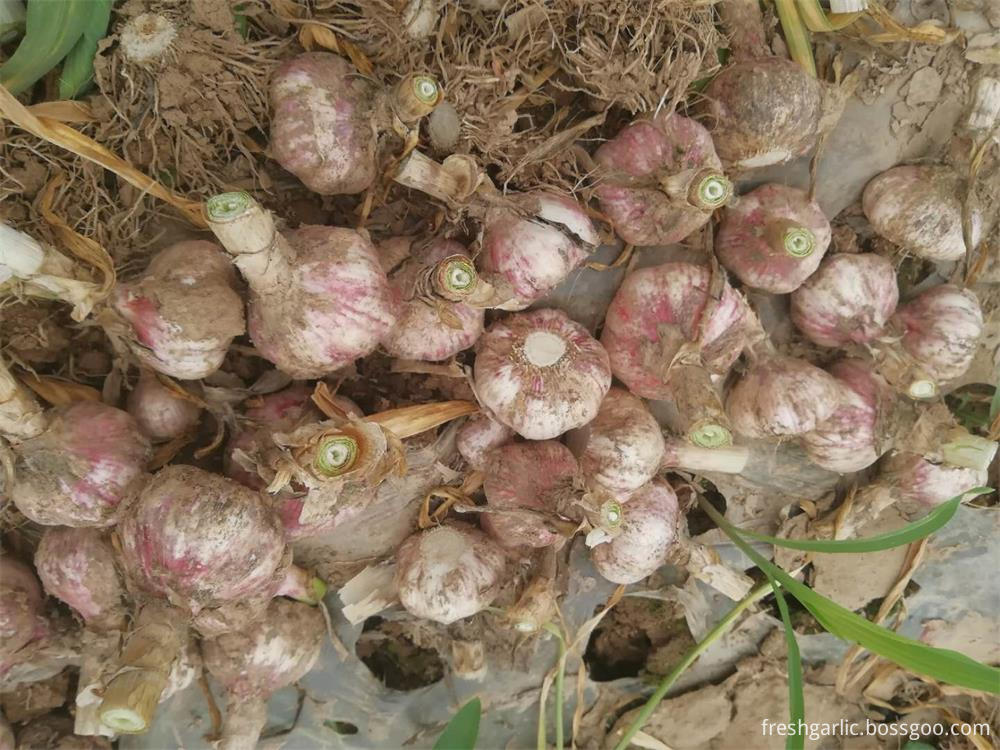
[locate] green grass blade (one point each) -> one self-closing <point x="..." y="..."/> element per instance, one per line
<point x="52" y="27"/>
<point x="796" y="35"/>
<point x="912" y="532"/>
<point x="796" y="698"/>
<point x="78" y="69"/>
<point x="943" y="665"/>
<point x="463" y="729"/>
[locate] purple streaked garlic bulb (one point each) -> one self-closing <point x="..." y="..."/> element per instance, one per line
<point x="480" y="435"/>
<point x="848" y="300"/>
<point x="160" y="412"/>
<point x="541" y="373"/>
<point x="914" y="479"/>
<point x="21" y="603"/>
<point x="773" y="238"/>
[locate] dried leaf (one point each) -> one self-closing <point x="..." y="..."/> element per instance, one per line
<point x="66" y="110"/>
<point x="84" y="248"/>
<point x="57" y="391"/>
<point x="926" y="32"/>
<point x="408" y="421"/>
<point x="165" y="452"/>
<point x="312" y="34"/>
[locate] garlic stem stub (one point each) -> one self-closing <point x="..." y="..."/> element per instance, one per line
<point x="541" y="373"/>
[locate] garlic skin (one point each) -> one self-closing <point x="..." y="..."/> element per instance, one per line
<point x="21" y="620"/>
<point x="449" y="572"/>
<point x="762" y="111"/>
<point x="541" y="373"/>
<point x="184" y="311"/>
<point x="650" y="527"/>
<point x="81" y="469"/>
<point x="526" y="257"/>
<point x="782" y="396"/>
<point x="77" y="566"/>
<point x="773" y="238"/>
<point x="478" y="436"/>
<point x="257" y="661"/>
<point x="916" y="480"/>
<point x="160" y="413"/>
<point x="622" y="448"/>
<point x="435" y="329"/>
<point x="942" y="328"/>
<point x="848" y="300"/>
<point x="635" y="192"/>
<point x="530" y="476"/>
<point x="919" y="208"/>
<point x="658" y="310"/>
<point x="850" y="438"/>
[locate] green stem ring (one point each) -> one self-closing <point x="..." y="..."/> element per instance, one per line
<point x="456" y="275"/>
<point x="227" y="206"/>
<point x="713" y="191"/>
<point x="336" y="455"/>
<point x="798" y="242"/>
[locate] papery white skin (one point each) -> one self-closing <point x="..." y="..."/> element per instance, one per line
<point x="942" y="329"/>
<point x="848" y="439"/>
<point x="915" y="479"/>
<point x="529" y="257"/>
<point x="541" y="401"/>
<point x="622" y="447"/>
<point x="649" y="528"/>
<point x="919" y="208"/>
<point x="530" y="476"/>
<point x="449" y="572"/>
<point x="849" y="299"/>
<point x="160" y="413"/>
<point x="780" y="397"/>
<point x="478" y="436"/>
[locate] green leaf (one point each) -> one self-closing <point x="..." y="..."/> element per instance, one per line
<point x="52" y="27"/>
<point x="925" y="526"/>
<point x="995" y="403"/>
<point x="796" y="698"/>
<point x="463" y="729"/>
<point x="78" y="69"/>
<point x="942" y="664"/>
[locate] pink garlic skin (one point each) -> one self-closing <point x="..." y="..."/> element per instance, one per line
<point x="323" y="130"/>
<point x="420" y="331"/>
<point x="77" y="566"/>
<point x="920" y="209"/>
<point x="184" y="311"/>
<point x="848" y="300"/>
<point x="186" y="539"/>
<point x="657" y="148"/>
<point x="622" y="447"/>
<point x="657" y="310"/>
<point x="526" y="475"/>
<point x="541" y="402"/>
<point x="942" y="328"/>
<point x="332" y="307"/>
<point x="650" y="526"/>
<point x="849" y="440"/>
<point x="915" y="479"/>
<point x="449" y="572"/>
<point x="781" y="397"/>
<point x="530" y="257"/>
<point x="478" y="436"/>
<point x="78" y="472"/>
<point x="159" y="412"/>
<point x="21" y="620"/>
<point x="742" y="245"/>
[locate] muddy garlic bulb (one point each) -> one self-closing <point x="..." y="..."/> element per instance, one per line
<point x="848" y="300"/>
<point x="319" y="298"/>
<point x="160" y="412"/>
<point x="327" y="118"/>
<point x="919" y="208"/>
<point x="433" y="321"/>
<point x="773" y="238"/>
<point x="914" y="479"/>
<point x="781" y="397"/>
<point x="650" y="527"/>
<point x="480" y="435"/>
<point x="621" y="449"/>
<point x="449" y="572"/>
<point x="661" y="181"/>
<point x="77" y="566"/>
<point x="252" y="663"/>
<point x="531" y="246"/>
<point x="80" y="469"/>
<point x="851" y="438"/>
<point x="532" y="476"/>
<point x="667" y="334"/>
<point x="21" y="620"/>
<point x="184" y="311"/>
<point x="541" y="373"/>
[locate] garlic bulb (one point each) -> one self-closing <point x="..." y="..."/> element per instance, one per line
<point x="541" y="373"/>
<point x="782" y="396"/>
<point x="449" y="572"/>
<point x="916" y="480"/>
<point x="622" y="447"/>
<point x="848" y="300"/>
<point x="160" y="412"/>
<point x="478" y="436"/>
<point x="532" y="476"/>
